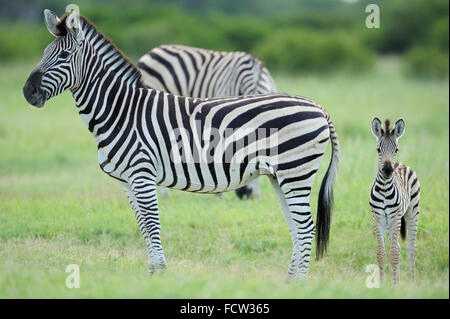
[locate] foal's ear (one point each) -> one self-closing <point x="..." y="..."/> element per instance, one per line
<point x="399" y="128"/>
<point x="376" y="127"/>
<point x="74" y="27"/>
<point x="51" y="21"/>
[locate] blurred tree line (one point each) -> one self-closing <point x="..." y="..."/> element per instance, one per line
<point x="288" y="35"/>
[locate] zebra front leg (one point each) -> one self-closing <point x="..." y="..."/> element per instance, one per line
<point x="394" y="227"/>
<point x="379" y="224"/>
<point x="142" y="197"/>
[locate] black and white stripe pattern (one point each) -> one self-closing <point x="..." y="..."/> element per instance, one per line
<point x="136" y="131"/>
<point x="195" y="72"/>
<point x="394" y="199"/>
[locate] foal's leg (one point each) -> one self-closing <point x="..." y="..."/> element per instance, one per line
<point x="394" y="222"/>
<point x="411" y="220"/>
<point x="379" y="224"/>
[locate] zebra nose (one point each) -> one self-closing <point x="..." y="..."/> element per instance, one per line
<point x="29" y="90"/>
<point x="35" y="79"/>
<point x="32" y="91"/>
<point x="387" y="168"/>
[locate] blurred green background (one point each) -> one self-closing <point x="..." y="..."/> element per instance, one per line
<point x="288" y="35"/>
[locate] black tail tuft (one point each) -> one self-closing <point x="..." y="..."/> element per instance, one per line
<point x="403" y="229"/>
<point x="324" y="207"/>
<point x="326" y="200"/>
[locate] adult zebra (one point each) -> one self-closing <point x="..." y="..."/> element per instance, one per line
<point x="134" y="131"/>
<point x="195" y="72"/>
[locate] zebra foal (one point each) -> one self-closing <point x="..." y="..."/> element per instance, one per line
<point x="201" y="73"/>
<point x="394" y="199"/>
<point x="135" y="129"/>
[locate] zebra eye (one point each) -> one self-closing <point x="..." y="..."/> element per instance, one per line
<point x="64" y="54"/>
<point x="378" y="149"/>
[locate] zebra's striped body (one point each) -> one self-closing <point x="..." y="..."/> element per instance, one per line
<point x="195" y="72"/>
<point x="394" y="199"/>
<point x="202" y="73"/>
<point x="136" y="131"/>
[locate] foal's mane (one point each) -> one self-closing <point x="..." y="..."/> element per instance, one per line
<point x="387" y="128"/>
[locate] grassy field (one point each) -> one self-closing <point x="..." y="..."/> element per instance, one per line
<point x="58" y="208"/>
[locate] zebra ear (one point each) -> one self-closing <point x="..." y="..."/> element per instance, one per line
<point x="74" y="27"/>
<point x="376" y="127"/>
<point x="52" y="21"/>
<point x="399" y="128"/>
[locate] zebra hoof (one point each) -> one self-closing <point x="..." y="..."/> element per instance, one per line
<point x="156" y="268"/>
<point x="290" y="279"/>
<point x="243" y="192"/>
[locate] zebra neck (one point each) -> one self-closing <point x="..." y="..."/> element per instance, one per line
<point x="103" y="103"/>
<point x="108" y="80"/>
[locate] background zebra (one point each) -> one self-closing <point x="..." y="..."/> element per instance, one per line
<point x="188" y="71"/>
<point x="394" y="199"/>
<point x="134" y="130"/>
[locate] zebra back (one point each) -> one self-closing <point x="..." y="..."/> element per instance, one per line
<point x="202" y="73"/>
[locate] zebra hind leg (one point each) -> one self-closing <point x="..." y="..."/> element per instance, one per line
<point x="411" y="219"/>
<point x="296" y="212"/>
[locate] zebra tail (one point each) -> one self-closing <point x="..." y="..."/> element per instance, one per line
<point x="403" y="229"/>
<point x="326" y="200"/>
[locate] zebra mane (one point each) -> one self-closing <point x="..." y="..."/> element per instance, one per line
<point x="258" y="59"/>
<point x="387" y="130"/>
<point x="107" y="46"/>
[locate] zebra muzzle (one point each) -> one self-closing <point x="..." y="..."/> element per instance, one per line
<point x="32" y="90"/>
<point x="387" y="169"/>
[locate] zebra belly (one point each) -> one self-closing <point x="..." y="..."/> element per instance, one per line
<point x="203" y="178"/>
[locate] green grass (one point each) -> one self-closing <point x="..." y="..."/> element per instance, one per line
<point x="58" y="208"/>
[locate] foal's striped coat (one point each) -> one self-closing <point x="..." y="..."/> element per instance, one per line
<point x="394" y="199"/>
